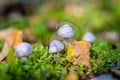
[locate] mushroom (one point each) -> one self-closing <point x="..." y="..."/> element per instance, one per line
<point x="66" y="31"/>
<point x="24" y="49"/>
<point x="89" y="36"/>
<point x="55" y="46"/>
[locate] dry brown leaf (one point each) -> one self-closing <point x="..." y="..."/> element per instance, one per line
<point x="4" y="51"/>
<point x="12" y="40"/>
<point x="72" y="76"/>
<point x="15" y="38"/>
<point x="6" y="32"/>
<point x="79" y="53"/>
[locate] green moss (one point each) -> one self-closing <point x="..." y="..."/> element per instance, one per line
<point x="1" y="44"/>
<point x="41" y="65"/>
<point x="104" y="57"/>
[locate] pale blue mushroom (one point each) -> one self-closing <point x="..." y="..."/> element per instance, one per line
<point x="24" y="49"/>
<point x="55" y="46"/>
<point x="90" y="37"/>
<point x="66" y="31"/>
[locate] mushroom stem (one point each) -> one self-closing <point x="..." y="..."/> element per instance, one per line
<point x="69" y="41"/>
<point x="24" y="59"/>
<point x="56" y="57"/>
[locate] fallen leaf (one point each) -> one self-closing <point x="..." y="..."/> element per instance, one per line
<point x="79" y="53"/>
<point x="11" y="41"/>
<point x="6" y="32"/>
<point x="4" y="51"/>
<point x="15" y="38"/>
<point x="72" y="76"/>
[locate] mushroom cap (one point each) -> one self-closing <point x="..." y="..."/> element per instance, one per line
<point x="89" y="36"/>
<point x="55" y="46"/>
<point x="66" y="31"/>
<point x="23" y="49"/>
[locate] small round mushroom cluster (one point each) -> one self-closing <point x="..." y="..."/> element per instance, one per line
<point x="66" y="31"/>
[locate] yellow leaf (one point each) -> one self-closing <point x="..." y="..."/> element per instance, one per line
<point x="72" y="76"/>
<point x="79" y="53"/>
<point x="15" y="38"/>
<point x="12" y="40"/>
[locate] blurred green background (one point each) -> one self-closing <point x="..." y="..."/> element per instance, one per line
<point x="43" y="17"/>
<point x="40" y="19"/>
